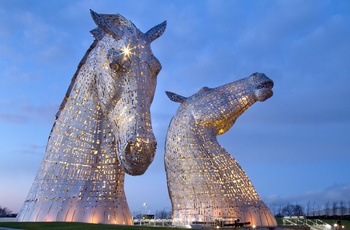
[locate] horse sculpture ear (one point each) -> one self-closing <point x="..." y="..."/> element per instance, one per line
<point x="155" y="32"/>
<point x="175" y="97"/>
<point x="106" y="26"/>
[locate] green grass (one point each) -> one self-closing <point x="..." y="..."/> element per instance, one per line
<point x="73" y="225"/>
<point x="86" y="226"/>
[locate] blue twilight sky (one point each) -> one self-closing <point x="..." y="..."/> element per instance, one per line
<point x="295" y="146"/>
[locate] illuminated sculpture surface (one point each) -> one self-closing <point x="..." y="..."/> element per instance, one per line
<point x="205" y="182"/>
<point x="102" y="129"/>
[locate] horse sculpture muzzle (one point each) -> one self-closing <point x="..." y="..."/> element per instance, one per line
<point x="139" y="154"/>
<point x="263" y="86"/>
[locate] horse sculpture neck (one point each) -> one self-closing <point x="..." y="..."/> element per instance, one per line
<point x="198" y="146"/>
<point x="87" y="171"/>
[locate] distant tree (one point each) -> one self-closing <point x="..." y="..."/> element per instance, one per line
<point x="313" y="208"/>
<point x="327" y="209"/>
<point x="163" y="214"/>
<point x="4" y="212"/>
<point x="287" y="210"/>
<point x="342" y="208"/>
<point x="298" y="210"/>
<point x="293" y="210"/>
<point x="280" y="210"/>
<point x="308" y="208"/>
<point x="318" y="208"/>
<point x="334" y="208"/>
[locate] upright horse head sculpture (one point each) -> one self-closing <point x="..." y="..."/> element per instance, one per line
<point x="205" y="182"/>
<point x="102" y="129"/>
<point x="126" y="76"/>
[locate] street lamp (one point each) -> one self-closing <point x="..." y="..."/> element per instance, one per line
<point x="145" y="205"/>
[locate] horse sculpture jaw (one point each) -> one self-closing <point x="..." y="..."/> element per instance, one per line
<point x="137" y="156"/>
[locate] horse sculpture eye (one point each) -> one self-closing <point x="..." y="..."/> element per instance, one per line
<point x="115" y="67"/>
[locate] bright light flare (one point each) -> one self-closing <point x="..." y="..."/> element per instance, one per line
<point x="127" y="50"/>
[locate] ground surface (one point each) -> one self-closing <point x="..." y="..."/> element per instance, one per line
<point x="86" y="226"/>
<point x="69" y="225"/>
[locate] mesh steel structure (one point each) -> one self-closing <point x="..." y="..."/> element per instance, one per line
<point x="205" y="182"/>
<point x="102" y="129"/>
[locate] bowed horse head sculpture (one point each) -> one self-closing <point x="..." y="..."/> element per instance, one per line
<point x="102" y="129"/>
<point x="205" y="182"/>
<point x="126" y="77"/>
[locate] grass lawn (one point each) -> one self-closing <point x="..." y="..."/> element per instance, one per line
<point x="86" y="226"/>
<point x="73" y="225"/>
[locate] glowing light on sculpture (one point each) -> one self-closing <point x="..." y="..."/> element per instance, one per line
<point x="126" y="50"/>
<point x="102" y="129"/>
<point x="205" y="182"/>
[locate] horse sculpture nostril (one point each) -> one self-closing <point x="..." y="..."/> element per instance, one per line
<point x="140" y="147"/>
<point x="131" y="148"/>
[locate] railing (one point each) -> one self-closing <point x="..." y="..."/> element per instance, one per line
<point x="315" y="224"/>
